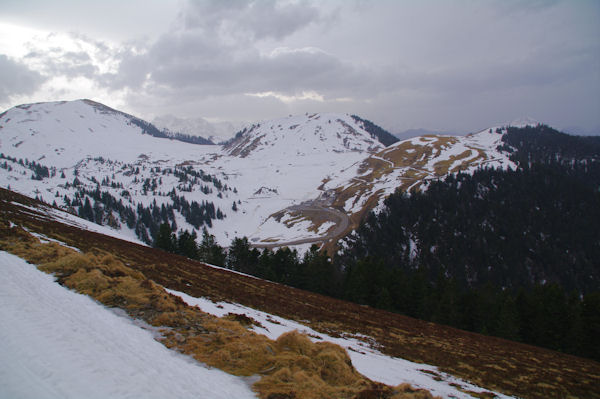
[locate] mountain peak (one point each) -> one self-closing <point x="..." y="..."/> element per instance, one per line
<point x="306" y="134"/>
<point x="64" y="132"/>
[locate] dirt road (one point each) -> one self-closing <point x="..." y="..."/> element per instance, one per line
<point x="315" y="210"/>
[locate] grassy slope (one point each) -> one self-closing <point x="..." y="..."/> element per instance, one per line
<point x="509" y="367"/>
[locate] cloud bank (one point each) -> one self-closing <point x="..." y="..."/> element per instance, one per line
<point x="451" y="66"/>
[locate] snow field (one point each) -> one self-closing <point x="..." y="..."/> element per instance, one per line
<point x="294" y="157"/>
<point x="55" y="343"/>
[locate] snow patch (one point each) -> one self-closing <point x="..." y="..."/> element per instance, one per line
<point x="55" y="343"/>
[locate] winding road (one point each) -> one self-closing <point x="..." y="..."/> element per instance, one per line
<point x="341" y="220"/>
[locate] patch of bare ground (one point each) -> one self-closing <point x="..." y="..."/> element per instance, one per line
<point x="493" y="363"/>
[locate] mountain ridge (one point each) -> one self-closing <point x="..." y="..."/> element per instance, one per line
<point x="325" y="161"/>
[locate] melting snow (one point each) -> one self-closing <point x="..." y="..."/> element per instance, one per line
<point x="55" y="343"/>
<point x="368" y="361"/>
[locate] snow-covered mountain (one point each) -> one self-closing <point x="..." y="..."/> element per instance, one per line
<point x="70" y="152"/>
<point x="289" y="181"/>
<point x="410" y="164"/>
<point x="63" y="133"/>
<point x="303" y="135"/>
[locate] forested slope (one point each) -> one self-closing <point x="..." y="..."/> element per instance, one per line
<point x="507" y="253"/>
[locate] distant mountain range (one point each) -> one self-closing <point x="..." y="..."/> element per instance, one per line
<point x="216" y="132"/>
<point x="296" y="180"/>
<point x="409" y="133"/>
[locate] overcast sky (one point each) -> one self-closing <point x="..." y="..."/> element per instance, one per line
<point x="445" y="65"/>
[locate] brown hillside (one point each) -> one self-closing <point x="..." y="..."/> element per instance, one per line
<point x="494" y="363"/>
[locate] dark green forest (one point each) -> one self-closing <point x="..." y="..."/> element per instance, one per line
<point x="377" y="132"/>
<point x="513" y="253"/>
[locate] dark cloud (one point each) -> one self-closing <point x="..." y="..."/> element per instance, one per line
<point x="16" y="78"/>
<point x="213" y="51"/>
<point x="434" y="64"/>
<point x="243" y="20"/>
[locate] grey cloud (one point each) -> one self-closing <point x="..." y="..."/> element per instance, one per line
<point x="16" y="78"/>
<point x="56" y="62"/>
<point x="438" y="62"/>
<point x="256" y="19"/>
<point x="212" y="50"/>
<point x="221" y="73"/>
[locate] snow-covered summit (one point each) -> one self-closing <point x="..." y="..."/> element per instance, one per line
<point x="65" y="132"/>
<point x="303" y="135"/>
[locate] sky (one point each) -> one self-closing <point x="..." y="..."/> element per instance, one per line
<point x="457" y="66"/>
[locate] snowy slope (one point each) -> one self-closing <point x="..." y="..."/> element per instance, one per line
<point x="303" y="135"/>
<point x="275" y="172"/>
<point x="55" y="343"/>
<point x="63" y="133"/>
<point x="367" y="361"/>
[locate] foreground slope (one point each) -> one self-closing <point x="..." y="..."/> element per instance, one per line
<point x="493" y="363"/>
<point x="61" y="344"/>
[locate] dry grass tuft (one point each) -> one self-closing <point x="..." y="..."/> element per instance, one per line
<point x="405" y="391"/>
<point x="244" y="320"/>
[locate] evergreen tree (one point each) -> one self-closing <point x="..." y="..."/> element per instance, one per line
<point x="186" y="244"/>
<point x="209" y="251"/>
<point x="165" y="239"/>
<point x="241" y="257"/>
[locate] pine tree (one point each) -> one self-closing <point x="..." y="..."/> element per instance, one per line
<point x="165" y="239"/>
<point x="209" y="251"/>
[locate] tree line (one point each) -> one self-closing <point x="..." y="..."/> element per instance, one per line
<point x="314" y="271"/>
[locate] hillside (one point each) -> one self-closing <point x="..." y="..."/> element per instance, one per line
<point x="303" y="135"/>
<point x="409" y="165"/>
<point x="519" y="244"/>
<point x="63" y="133"/>
<point x="493" y="363"/>
<point x="293" y="181"/>
<point x="65" y="153"/>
